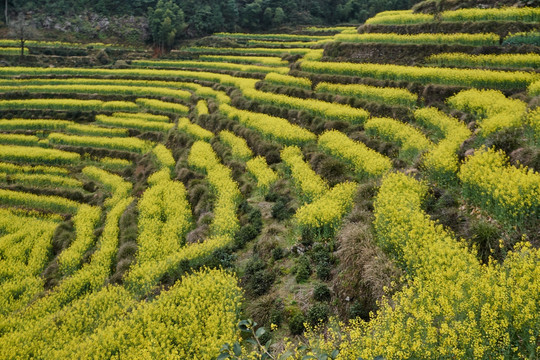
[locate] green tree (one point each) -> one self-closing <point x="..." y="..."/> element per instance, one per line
<point x="279" y="16"/>
<point x="268" y="16"/>
<point x="229" y="9"/>
<point x="166" y="24"/>
<point x="22" y="29"/>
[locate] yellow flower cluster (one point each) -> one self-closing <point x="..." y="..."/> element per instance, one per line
<point x="189" y="321"/>
<point x="288" y="80"/>
<point x="364" y="161"/>
<point x="25" y="246"/>
<point x="133" y="123"/>
<point x="510" y="194"/>
<point x="163" y="157"/>
<point x="239" y="147"/>
<point x="40" y="180"/>
<point x="310" y="184"/>
<point x="320" y="108"/>
<point x="194" y="130"/>
<point x="166" y="86"/>
<point x="426" y="75"/>
<point x="245" y="51"/>
<point x="225" y="221"/>
<point x="18" y="139"/>
<point x="163" y="106"/>
<point x="42" y="202"/>
<point x="314" y="55"/>
<point x="114" y="164"/>
<point x="90" y="278"/>
<point x="13" y="50"/>
<point x="411" y="140"/>
<point x="67" y="104"/>
<point x="534" y="121"/>
<point x="289" y="44"/>
<point x="203" y="157"/>
<point x="493" y="110"/>
<point x="453" y="307"/>
<point x="424" y="38"/>
<point x="38" y="155"/>
<point x="399" y="17"/>
<point x="127" y="144"/>
<point x="142" y="116"/>
<point x="67" y="126"/>
<point x="387" y="95"/>
<point x="441" y="162"/>
<point x="323" y="216"/>
<point x="112" y="183"/>
<point x="105" y="89"/>
<point x="262" y="172"/>
<point x="164" y="218"/>
<point x="57" y="44"/>
<point x="534" y="88"/>
<point x="9" y="168"/>
<point x="270" y="126"/>
<point x="93" y="130"/>
<point x="503" y="60"/>
<point x="34" y="124"/>
<point x="328" y="28"/>
<point x="201" y="108"/>
<point x="525" y="14"/>
<point x="206" y="302"/>
<point x="187" y="64"/>
<point x="275" y="37"/>
<point x="84" y="221"/>
<point x="258" y="60"/>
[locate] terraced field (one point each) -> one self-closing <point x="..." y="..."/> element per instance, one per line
<point x="146" y="210"/>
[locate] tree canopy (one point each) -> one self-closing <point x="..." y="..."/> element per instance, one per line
<point x="207" y="16"/>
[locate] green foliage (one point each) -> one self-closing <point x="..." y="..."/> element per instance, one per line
<point x="258" y="279"/>
<point x="318" y="313"/>
<point x="322" y="293"/>
<point x="303" y="269"/>
<point x="296" y="323"/>
<point x="166" y="22"/>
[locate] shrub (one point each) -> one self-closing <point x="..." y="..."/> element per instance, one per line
<point x="322" y="293"/>
<point x="244" y="235"/>
<point x="296" y="323"/>
<point x="317" y="314"/>
<point x="303" y="269"/>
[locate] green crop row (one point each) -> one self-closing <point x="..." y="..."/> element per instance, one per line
<point x="323" y="216"/>
<point x="56" y="125"/>
<point x="425" y="38"/>
<point x="387" y="95"/>
<point x="426" y="75"/>
<point x="411" y="141"/>
<point x="441" y="162"/>
<point x="309" y="183"/>
<point x="127" y="144"/>
<point x="364" y="161"/>
<point x="492" y="109"/>
<point x="288" y="80"/>
<point x="508" y="193"/>
<point x="256" y="60"/>
<point x="264" y="175"/>
<point x="185" y="64"/>
<point x="130" y="123"/>
<point x="320" y="108"/>
<point x="38" y="155"/>
<point x="238" y="146"/>
<point x="273" y="127"/>
<point x="503" y="60"/>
